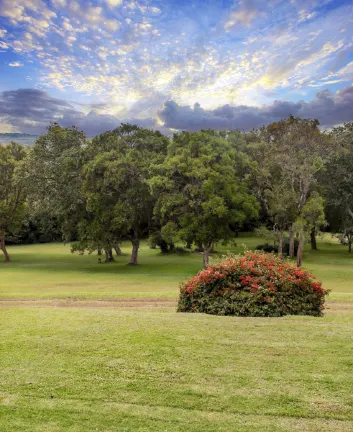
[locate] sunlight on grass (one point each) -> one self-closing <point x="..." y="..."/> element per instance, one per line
<point x="77" y="366"/>
<point x="96" y="369"/>
<point x="50" y="271"/>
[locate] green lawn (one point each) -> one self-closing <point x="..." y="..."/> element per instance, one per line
<point x="147" y="368"/>
<point x="50" y="271"/>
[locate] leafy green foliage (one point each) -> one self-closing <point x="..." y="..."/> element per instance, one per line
<point x="54" y="177"/>
<point x="337" y="183"/>
<point x="253" y="285"/>
<point x="115" y="185"/>
<point x="13" y="204"/>
<point x="200" y="197"/>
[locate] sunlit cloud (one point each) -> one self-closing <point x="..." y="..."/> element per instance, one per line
<point x="131" y="56"/>
<point x="16" y="64"/>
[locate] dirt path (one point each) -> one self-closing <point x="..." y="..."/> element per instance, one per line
<point x="90" y="303"/>
<point x="124" y="303"/>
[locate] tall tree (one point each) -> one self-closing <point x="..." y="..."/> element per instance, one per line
<point x="338" y="183"/>
<point x="116" y="181"/>
<point x="199" y="190"/>
<point x="12" y="191"/>
<point x="301" y="151"/>
<point x="54" y="176"/>
<point x="312" y="217"/>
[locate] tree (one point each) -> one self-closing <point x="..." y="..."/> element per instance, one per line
<point x="338" y="183"/>
<point x="54" y="177"/>
<point x="346" y="238"/>
<point x="116" y="181"/>
<point x="281" y="208"/>
<point x="12" y="191"/>
<point x="301" y="151"/>
<point x="312" y="217"/>
<point x="199" y="191"/>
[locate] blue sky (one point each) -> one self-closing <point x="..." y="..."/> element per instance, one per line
<point x="174" y="64"/>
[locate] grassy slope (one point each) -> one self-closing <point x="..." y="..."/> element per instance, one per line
<point x="99" y="369"/>
<point x="115" y="370"/>
<point x="50" y="271"/>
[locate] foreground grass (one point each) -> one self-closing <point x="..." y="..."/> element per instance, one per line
<point x="50" y="271"/>
<point x="129" y="366"/>
<point x="138" y="370"/>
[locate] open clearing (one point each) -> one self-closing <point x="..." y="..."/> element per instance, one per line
<point x="89" y="347"/>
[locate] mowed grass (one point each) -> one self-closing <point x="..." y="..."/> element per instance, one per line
<point x="146" y="368"/>
<point x="140" y="370"/>
<point x="50" y="271"/>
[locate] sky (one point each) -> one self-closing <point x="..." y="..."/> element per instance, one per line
<point x="174" y="64"/>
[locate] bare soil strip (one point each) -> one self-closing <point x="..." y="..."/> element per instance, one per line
<point x="89" y="303"/>
<point x="332" y="307"/>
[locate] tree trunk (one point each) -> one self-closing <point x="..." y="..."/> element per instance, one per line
<point x="99" y="251"/>
<point x="188" y="244"/>
<point x="117" y="249"/>
<point x="280" y="244"/>
<point x="350" y="245"/>
<point x="199" y="247"/>
<point x="206" y="255"/>
<point x="109" y="255"/>
<point x="212" y="247"/>
<point x="313" y="239"/>
<point x="3" y="248"/>
<point x="135" y="250"/>
<point x="300" y="249"/>
<point x="291" y="242"/>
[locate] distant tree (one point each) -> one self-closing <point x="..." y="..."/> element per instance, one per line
<point x="12" y="192"/>
<point x="301" y="151"/>
<point x="346" y="237"/>
<point x="281" y="208"/>
<point x="199" y="192"/>
<point x="54" y="177"/>
<point x="337" y="182"/>
<point x="312" y="217"/>
<point x="116" y="182"/>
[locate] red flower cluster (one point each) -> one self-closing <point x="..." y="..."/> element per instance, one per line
<point x="245" y="284"/>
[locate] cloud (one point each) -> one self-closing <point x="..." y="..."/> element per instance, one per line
<point x="31" y="111"/>
<point x="16" y="64"/>
<point x="243" y="15"/>
<point x="113" y="3"/>
<point x="124" y="51"/>
<point x="328" y="108"/>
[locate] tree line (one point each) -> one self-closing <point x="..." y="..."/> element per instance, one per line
<point x="199" y="188"/>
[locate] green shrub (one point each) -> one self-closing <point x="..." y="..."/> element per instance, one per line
<point x="267" y="248"/>
<point x="270" y="248"/>
<point x="155" y="239"/>
<point x="255" y="284"/>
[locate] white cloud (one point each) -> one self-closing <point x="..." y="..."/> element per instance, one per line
<point x="16" y="64"/>
<point x="59" y="3"/>
<point x="113" y="3"/>
<point x="243" y="15"/>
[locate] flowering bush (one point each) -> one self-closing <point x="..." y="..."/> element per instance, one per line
<point x="255" y="284"/>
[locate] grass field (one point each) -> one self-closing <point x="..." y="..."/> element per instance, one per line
<point x="89" y="347"/>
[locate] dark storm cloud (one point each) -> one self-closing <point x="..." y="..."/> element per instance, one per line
<point x="31" y="111"/>
<point x="32" y="105"/>
<point x="329" y="109"/>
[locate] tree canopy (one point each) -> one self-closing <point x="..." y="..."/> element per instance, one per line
<point x="290" y="178"/>
<point x="12" y="191"/>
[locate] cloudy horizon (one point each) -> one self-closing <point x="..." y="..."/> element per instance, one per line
<point x="174" y="65"/>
